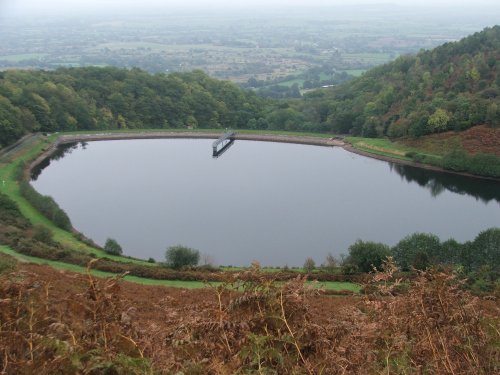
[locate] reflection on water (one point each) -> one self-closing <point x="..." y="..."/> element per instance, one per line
<point x="271" y="202"/>
<point x="61" y="151"/>
<point x="219" y="153"/>
<point x="438" y="182"/>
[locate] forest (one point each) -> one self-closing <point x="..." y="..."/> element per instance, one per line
<point x="72" y="99"/>
<point x="452" y="87"/>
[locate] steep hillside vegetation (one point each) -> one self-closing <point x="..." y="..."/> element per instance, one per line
<point x="64" y="323"/>
<point x="112" y="98"/>
<point x="453" y="87"/>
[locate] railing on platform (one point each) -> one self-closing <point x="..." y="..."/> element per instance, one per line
<point x="223" y="143"/>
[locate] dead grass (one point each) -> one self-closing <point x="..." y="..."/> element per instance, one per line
<point x="72" y="324"/>
<point x="478" y="139"/>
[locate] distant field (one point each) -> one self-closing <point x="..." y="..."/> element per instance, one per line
<point x="355" y="72"/>
<point x="368" y="58"/>
<point x="23" y="57"/>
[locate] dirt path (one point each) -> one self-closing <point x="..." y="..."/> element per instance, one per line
<point x="7" y="153"/>
<point x="316" y="141"/>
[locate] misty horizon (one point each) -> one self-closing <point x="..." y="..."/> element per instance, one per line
<point x="16" y="8"/>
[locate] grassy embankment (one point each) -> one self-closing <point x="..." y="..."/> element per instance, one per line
<point x="10" y="186"/>
<point x="474" y="151"/>
<point x="28" y="151"/>
<point x="386" y="147"/>
<point x="74" y="268"/>
<point x="327" y="285"/>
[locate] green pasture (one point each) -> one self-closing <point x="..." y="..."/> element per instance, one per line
<point x="22" y="57"/>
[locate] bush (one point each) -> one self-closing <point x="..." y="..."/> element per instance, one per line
<point x="10" y="213"/>
<point x="484" y="251"/>
<point x="481" y="164"/>
<point x="331" y="264"/>
<point x="449" y="253"/>
<point x="179" y="256"/>
<point x="46" y="205"/>
<point x="456" y="161"/>
<point x="363" y="256"/>
<point x="309" y="265"/>
<point x="485" y="165"/>
<point x="419" y="250"/>
<point x="410" y="154"/>
<point x="43" y="234"/>
<point x="7" y="263"/>
<point x="112" y="247"/>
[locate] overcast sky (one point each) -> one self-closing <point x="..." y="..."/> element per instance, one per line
<point x="11" y="7"/>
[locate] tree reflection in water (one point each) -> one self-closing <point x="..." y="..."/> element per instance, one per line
<point x="437" y="182"/>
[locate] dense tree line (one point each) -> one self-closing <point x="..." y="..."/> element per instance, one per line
<point x="111" y="98"/>
<point x="422" y="250"/>
<point x="452" y="87"/>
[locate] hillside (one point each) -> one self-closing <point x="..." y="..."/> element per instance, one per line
<point x="61" y="322"/>
<point x="112" y="98"/>
<point x="478" y="139"/>
<point x="452" y="87"/>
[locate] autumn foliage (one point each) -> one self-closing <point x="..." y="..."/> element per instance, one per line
<point x="427" y="326"/>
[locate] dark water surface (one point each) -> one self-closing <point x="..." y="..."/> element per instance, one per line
<point x="272" y="202"/>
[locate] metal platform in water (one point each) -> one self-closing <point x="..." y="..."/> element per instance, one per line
<point x="221" y="144"/>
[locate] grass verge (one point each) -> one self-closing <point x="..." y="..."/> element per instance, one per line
<point x="73" y="268"/>
<point x="10" y="187"/>
<point x="329" y="285"/>
<point x="29" y="150"/>
<point x="385" y="147"/>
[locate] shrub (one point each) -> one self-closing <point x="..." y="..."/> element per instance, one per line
<point x="456" y="161"/>
<point x="363" y="256"/>
<point x="10" y="213"/>
<point x="485" y="165"/>
<point x="179" y="256"/>
<point x="449" y="253"/>
<point x="331" y="264"/>
<point x="480" y="164"/>
<point x="484" y="251"/>
<point x="419" y="250"/>
<point x="46" y="205"/>
<point x="309" y="265"/>
<point x="112" y="247"/>
<point x="410" y="154"/>
<point x="43" y="234"/>
<point x="7" y="263"/>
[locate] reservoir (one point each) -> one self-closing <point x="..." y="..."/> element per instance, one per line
<point x="275" y="203"/>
